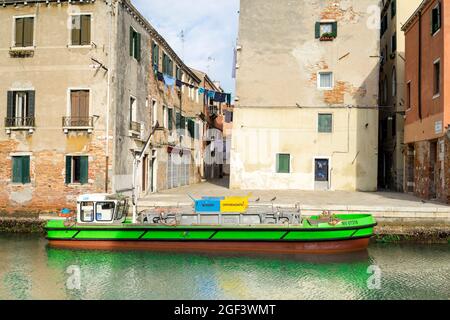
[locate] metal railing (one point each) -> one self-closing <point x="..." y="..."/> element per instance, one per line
<point x="135" y="127"/>
<point x="78" y="122"/>
<point x="17" y="122"/>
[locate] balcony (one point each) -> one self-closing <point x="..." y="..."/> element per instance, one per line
<point x="135" y="129"/>
<point x="19" y="123"/>
<point x="78" y="124"/>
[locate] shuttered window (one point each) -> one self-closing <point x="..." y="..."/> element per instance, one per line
<point x="325" y="123"/>
<point x="283" y="163"/>
<point x="191" y="128"/>
<point x="81" y="30"/>
<point x="20" y="109"/>
<point x="21" y="169"/>
<point x="167" y="65"/>
<point x="155" y="55"/>
<point x="77" y="169"/>
<point x="135" y="44"/>
<point x="24" y="29"/>
<point x="170" y="119"/>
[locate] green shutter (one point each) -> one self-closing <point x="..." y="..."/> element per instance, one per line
<point x="28" y="30"/>
<point x="138" y="47"/>
<point x="283" y="163"/>
<point x="191" y="128"/>
<point x="325" y="123"/>
<point x="68" y="170"/>
<point x="31" y="103"/>
<point x="317" y="30"/>
<point x="17" y="170"/>
<point x="84" y="169"/>
<point x="170" y="119"/>
<point x="334" y="30"/>
<point x="178" y="121"/>
<point x="85" y="30"/>
<point x="76" y="38"/>
<point x="19" y="32"/>
<point x="26" y="170"/>
<point x="131" y="40"/>
<point x="10" y="104"/>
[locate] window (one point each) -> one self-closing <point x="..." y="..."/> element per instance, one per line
<point x="76" y="169"/>
<point x="133" y="113"/>
<point x="21" y="169"/>
<point x="81" y="30"/>
<point x="408" y="95"/>
<point x="154" y="111"/>
<point x="191" y="128"/>
<point x="20" y="109"/>
<point x="283" y="163"/>
<point x="155" y="55"/>
<point x="325" y="80"/>
<point x="437" y="78"/>
<point x="394" y="83"/>
<point x="24" y="32"/>
<point x="179" y="73"/>
<point x="167" y="65"/>
<point x="79" y="109"/>
<point x="326" y="29"/>
<point x="385" y="90"/>
<point x="436" y="19"/>
<point x="135" y="44"/>
<point x="104" y="211"/>
<point x="87" y="211"/>
<point x="393" y="8"/>
<point x="325" y="123"/>
<point x="170" y="119"/>
<point x="394" y="43"/>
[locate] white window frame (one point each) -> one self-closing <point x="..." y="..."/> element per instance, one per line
<point x="13" y="35"/>
<point x="440" y="13"/>
<point x="332" y="123"/>
<point x="319" y="73"/>
<point x="69" y="23"/>
<point x="166" y="116"/>
<point x="291" y="157"/>
<point x="154" y="106"/>
<point x="135" y="108"/>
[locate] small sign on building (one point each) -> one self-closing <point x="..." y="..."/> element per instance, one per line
<point x="438" y="126"/>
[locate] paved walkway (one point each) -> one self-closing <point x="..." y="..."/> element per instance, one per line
<point x="381" y="204"/>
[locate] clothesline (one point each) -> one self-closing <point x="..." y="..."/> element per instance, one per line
<point x="216" y="96"/>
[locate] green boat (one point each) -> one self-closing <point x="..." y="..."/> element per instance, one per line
<point x="101" y="223"/>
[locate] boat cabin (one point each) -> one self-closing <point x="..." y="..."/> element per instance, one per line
<point x="101" y="208"/>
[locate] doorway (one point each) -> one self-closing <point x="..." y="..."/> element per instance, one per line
<point x="321" y="174"/>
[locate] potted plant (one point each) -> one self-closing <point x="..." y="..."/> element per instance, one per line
<point x="327" y="36"/>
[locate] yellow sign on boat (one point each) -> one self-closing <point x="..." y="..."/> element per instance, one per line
<point x="234" y="204"/>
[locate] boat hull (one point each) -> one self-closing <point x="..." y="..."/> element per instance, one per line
<point x="313" y="247"/>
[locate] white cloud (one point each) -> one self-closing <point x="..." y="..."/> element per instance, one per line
<point x="210" y="29"/>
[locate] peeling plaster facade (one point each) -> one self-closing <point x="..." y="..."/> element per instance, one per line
<point x="278" y="100"/>
<point x="52" y="68"/>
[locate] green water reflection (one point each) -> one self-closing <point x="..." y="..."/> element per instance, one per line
<point x="30" y="270"/>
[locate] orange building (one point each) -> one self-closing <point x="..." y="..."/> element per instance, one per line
<point x="427" y="144"/>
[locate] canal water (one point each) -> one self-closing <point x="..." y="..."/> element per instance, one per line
<point x="31" y="270"/>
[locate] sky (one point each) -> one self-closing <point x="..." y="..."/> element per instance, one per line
<point x="210" y="30"/>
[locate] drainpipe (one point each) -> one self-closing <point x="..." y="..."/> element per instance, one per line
<point x="108" y="97"/>
<point x="420" y="67"/>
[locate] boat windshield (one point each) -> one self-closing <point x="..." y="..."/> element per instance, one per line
<point x="87" y="211"/>
<point x="104" y="211"/>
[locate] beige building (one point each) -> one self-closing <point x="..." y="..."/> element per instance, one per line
<point x="394" y="14"/>
<point x="306" y="114"/>
<point x="81" y="91"/>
